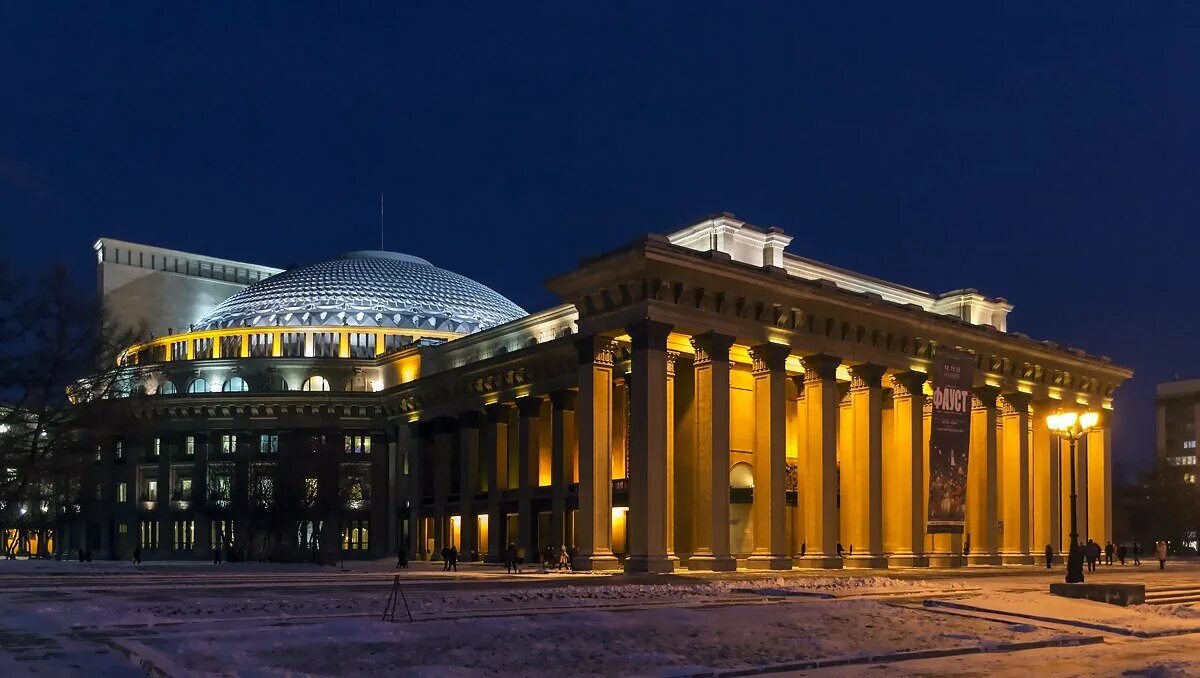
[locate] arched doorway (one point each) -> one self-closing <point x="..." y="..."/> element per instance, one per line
<point x="741" y="509"/>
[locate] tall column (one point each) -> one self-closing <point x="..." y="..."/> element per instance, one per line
<point x="594" y="412"/>
<point x="820" y="479"/>
<point x="903" y="473"/>
<point x="495" y="446"/>
<point x="1044" y="491"/>
<point x="672" y="357"/>
<point x="1015" y="478"/>
<point x="866" y="398"/>
<point x="418" y="433"/>
<point x="469" y="425"/>
<point x="1099" y="452"/>
<point x="770" y="457"/>
<point x="529" y="411"/>
<point x="801" y="435"/>
<point x="562" y="434"/>
<point x="982" y="485"/>
<point x="443" y="448"/>
<point x="711" y="513"/>
<point x="647" y="521"/>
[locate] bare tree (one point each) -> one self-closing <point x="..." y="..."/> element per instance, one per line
<point x="58" y="351"/>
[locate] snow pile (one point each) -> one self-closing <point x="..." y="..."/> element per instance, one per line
<point x="837" y="584"/>
<point x="1181" y="611"/>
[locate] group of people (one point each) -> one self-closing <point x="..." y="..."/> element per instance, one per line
<point x="1092" y="553"/>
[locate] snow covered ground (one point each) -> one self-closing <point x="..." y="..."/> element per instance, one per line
<point x="63" y="619"/>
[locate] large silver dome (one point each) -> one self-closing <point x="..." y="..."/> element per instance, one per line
<point x="366" y="289"/>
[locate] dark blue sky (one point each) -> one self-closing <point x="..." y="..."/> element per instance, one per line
<point x="1050" y="155"/>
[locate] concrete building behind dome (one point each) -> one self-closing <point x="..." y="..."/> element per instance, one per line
<point x="163" y="290"/>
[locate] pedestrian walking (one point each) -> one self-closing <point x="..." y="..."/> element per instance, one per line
<point x="510" y="558"/>
<point x="520" y="558"/>
<point x="1108" y="553"/>
<point x="803" y="548"/>
<point x="1137" y="554"/>
<point x="1160" y="552"/>
<point x="216" y="555"/>
<point x="1049" y="556"/>
<point x="452" y="562"/>
<point x="137" y="555"/>
<point x="1121" y="551"/>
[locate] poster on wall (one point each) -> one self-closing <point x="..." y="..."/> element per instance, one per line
<point x="949" y="440"/>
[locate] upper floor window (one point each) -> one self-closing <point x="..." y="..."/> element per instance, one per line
<point x="167" y="388"/>
<point x="157" y="446"/>
<point x="198" y="385"/>
<point x="235" y="384"/>
<point x="1189" y="460"/>
<point x="1189" y="444"/>
<point x="358" y="444"/>
<point x="268" y="443"/>
<point x="122" y="492"/>
<point x="228" y="443"/>
<point x="189" y="445"/>
<point x="120" y="450"/>
<point x="316" y="383"/>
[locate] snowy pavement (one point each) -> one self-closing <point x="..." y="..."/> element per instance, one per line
<point x="114" y="619"/>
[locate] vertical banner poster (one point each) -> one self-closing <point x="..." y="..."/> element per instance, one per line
<point x="949" y="440"/>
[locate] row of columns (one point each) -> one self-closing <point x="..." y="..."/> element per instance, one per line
<point x="883" y="497"/>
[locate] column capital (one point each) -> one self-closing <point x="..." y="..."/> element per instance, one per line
<point x="1014" y="403"/>
<point x="497" y="411"/>
<point x="649" y="334"/>
<point x="984" y="397"/>
<point x="563" y="400"/>
<point x="530" y="405"/>
<point x="712" y="347"/>
<point x="820" y="366"/>
<point x="866" y="375"/>
<point x="907" y="384"/>
<point x="471" y="419"/>
<point x="595" y="349"/>
<point x="672" y="358"/>
<point x="769" y="357"/>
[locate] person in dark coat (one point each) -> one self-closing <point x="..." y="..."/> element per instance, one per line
<point x="216" y="555"/>
<point x="402" y="558"/>
<point x="452" y="558"/>
<point x="1108" y="553"/>
<point x="137" y="556"/>
<point x="510" y="558"/>
<point x="1137" y="553"/>
<point x="839" y="549"/>
<point x="1121" y="551"/>
<point x="1049" y="556"/>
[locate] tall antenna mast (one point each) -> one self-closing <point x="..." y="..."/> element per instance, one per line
<point x="381" y="246"/>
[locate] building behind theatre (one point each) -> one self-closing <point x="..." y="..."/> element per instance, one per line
<point x="1178" y="404"/>
<point x="704" y="399"/>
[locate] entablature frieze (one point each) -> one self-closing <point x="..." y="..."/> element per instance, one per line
<point x="696" y="293"/>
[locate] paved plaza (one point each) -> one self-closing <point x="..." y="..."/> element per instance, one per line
<point x="118" y="619"/>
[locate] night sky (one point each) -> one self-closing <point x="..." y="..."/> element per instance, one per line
<point x="1049" y="155"/>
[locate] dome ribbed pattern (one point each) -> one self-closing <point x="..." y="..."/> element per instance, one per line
<point x="366" y="289"/>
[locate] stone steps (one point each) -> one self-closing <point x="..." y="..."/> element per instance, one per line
<point x="1173" y="595"/>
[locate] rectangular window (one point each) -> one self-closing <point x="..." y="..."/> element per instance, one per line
<point x="185" y="535"/>
<point x="1188" y="460"/>
<point x="358" y="444"/>
<point x="222" y="533"/>
<point x="356" y="535"/>
<point x="268" y="443"/>
<point x="1189" y="444"/>
<point x="151" y="491"/>
<point x="220" y="483"/>
<point x="310" y="491"/>
<point x="316" y="443"/>
<point x="120" y="449"/>
<point x="228" y="443"/>
<point x="99" y="492"/>
<point x="190" y="446"/>
<point x="148" y="530"/>
<point x="308" y="534"/>
<point x="183" y="491"/>
<point x="122" y="493"/>
<point x="99" y="453"/>
<point x="157" y="447"/>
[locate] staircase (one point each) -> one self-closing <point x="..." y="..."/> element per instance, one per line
<point x="1173" y="594"/>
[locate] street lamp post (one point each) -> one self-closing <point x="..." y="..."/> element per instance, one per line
<point x="1071" y="426"/>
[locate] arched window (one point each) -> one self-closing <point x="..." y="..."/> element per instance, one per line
<point x="167" y="388"/>
<point x="359" y="383"/>
<point x="276" y="383"/>
<point x="198" y="385"/>
<point x="315" y="384"/>
<point x="741" y="476"/>
<point x="235" y="384"/>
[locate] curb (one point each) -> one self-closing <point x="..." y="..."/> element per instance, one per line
<point x="1067" y="622"/>
<point x="893" y="657"/>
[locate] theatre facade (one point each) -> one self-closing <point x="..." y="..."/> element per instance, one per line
<point x="704" y="399"/>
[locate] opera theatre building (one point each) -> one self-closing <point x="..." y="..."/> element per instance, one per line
<point x="703" y="400"/>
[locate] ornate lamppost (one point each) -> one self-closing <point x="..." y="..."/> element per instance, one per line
<point x="1071" y="426"/>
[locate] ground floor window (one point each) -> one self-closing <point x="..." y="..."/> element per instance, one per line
<point x="148" y="534"/>
<point x="308" y="534"/>
<point x="185" y="535"/>
<point x="355" y="535"/>
<point x="222" y="533"/>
